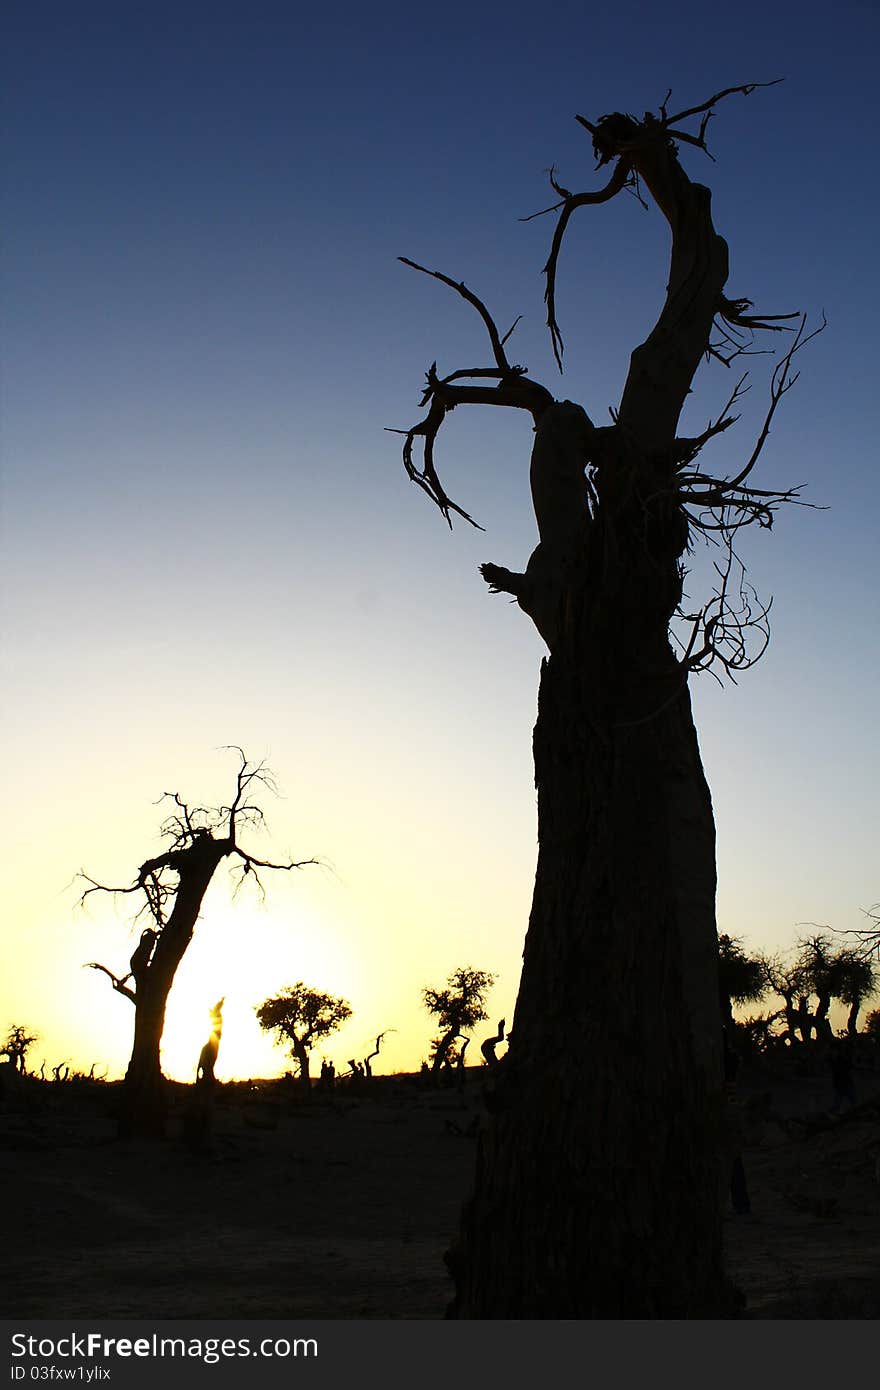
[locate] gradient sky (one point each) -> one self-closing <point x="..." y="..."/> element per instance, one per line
<point x="207" y="538"/>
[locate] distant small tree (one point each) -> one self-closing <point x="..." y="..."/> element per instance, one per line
<point x="819" y="967"/>
<point x="755" y="1034"/>
<point x="859" y="978"/>
<point x="17" y="1042"/>
<point x="172" y="886"/>
<point x="872" y="1024"/>
<point x="456" y="1008"/>
<point x="846" y="974"/>
<point x="741" y="979"/>
<point x="302" y="1017"/>
<point x="786" y="979"/>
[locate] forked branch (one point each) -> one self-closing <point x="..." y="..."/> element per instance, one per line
<point x="443" y="394"/>
<point x="622" y="177"/>
<point x="497" y="342"/>
<point x="118" y="983"/>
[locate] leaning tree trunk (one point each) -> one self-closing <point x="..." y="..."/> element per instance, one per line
<point x="143" y="1113"/>
<point x="598" y="1184"/>
<point x="820" y="1018"/>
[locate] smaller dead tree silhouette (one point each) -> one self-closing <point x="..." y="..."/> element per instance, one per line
<point x="172" y="885"/>
<point x="368" y="1070"/>
<point x="301" y="1017"/>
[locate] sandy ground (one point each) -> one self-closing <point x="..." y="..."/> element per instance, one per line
<point x="342" y="1208"/>
<point x="811" y="1248"/>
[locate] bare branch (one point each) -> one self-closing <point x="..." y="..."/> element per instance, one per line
<point x="730" y="623"/>
<point x="745" y="89"/>
<point x="868" y="938"/>
<point x="618" y="180"/>
<point x="509" y="332"/>
<point x="737" y="329"/>
<point x="118" y="983"/>
<point x="686" y="450"/>
<point x="245" y="777"/>
<point x="495" y="338"/>
<point x="250" y="864"/>
<point x="96" y="887"/>
<point x="709" y="492"/>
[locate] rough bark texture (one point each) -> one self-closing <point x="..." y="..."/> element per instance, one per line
<point x="605" y="1128"/>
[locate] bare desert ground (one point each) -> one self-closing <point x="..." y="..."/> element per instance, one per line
<point x="341" y="1206"/>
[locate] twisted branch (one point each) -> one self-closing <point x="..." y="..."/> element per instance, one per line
<point x="443" y="394"/>
<point x="730" y="623"/>
<point x="622" y="177"/>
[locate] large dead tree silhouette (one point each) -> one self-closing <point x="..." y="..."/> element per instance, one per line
<point x="172" y="885"/>
<point x="597" y="1190"/>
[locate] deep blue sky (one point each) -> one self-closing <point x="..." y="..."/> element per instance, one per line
<point x="208" y="537"/>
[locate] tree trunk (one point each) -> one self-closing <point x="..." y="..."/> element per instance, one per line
<point x="598" y="1183"/>
<point x="144" y="1099"/>
<point x="301" y="1052"/>
<point x="144" y="1107"/>
<point x="820" y="1018"/>
<point x="805" y="1020"/>
<point x="791" y="1020"/>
